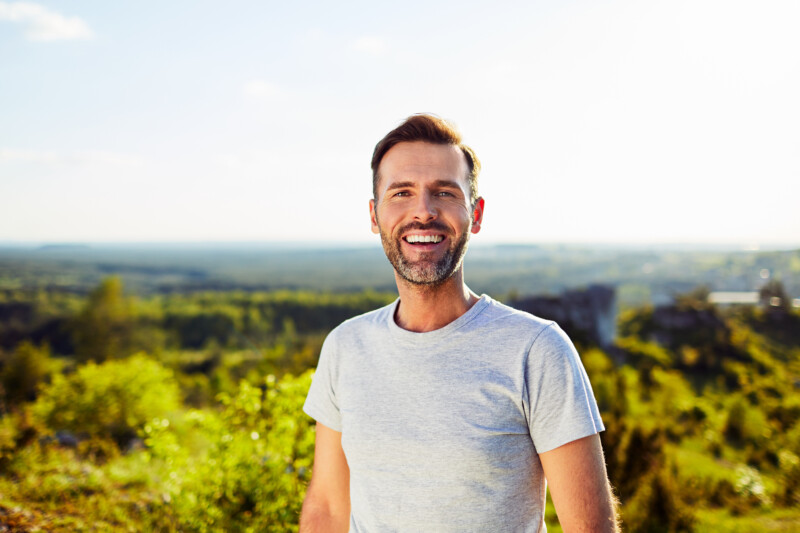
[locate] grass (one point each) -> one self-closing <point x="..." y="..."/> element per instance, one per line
<point x="717" y="520"/>
<point x="55" y="489"/>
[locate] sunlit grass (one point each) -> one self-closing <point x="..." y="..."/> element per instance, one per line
<point x="60" y="489"/>
<point x="721" y="520"/>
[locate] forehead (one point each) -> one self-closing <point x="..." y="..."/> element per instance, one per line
<point x="419" y="161"/>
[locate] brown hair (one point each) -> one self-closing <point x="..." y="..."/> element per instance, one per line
<point x="431" y="129"/>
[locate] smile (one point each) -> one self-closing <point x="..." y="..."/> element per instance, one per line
<point x="413" y="239"/>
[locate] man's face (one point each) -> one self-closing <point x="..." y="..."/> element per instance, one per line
<point x="423" y="211"/>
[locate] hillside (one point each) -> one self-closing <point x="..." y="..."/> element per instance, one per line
<point x="182" y="412"/>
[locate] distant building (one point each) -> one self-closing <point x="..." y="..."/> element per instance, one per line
<point x="589" y="314"/>
<point x="734" y="298"/>
<point x="745" y="298"/>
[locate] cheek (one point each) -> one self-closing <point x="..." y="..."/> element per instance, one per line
<point x="381" y="222"/>
<point x="462" y="212"/>
<point x="388" y="214"/>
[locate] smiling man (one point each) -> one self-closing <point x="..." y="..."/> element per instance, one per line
<point x="448" y="411"/>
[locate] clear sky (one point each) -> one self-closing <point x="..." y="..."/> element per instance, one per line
<point x="596" y="121"/>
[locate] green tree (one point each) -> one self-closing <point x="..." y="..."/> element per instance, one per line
<point x="697" y="298"/>
<point x="104" y="328"/>
<point x="773" y="295"/>
<point x="22" y="371"/>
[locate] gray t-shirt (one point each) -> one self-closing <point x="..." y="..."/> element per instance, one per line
<point x="441" y="429"/>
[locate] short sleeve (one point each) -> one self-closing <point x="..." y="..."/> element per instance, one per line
<point x="321" y="403"/>
<point x="560" y="405"/>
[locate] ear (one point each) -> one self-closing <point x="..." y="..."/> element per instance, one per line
<point x="373" y="217"/>
<point x="477" y="215"/>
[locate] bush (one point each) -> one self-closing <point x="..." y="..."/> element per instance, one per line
<point x="22" y="371"/>
<point x="790" y="472"/>
<point x="657" y="506"/>
<point x="745" y="423"/>
<point x="103" y="329"/>
<point x="8" y="439"/>
<point x="252" y="474"/>
<point x="115" y="399"/>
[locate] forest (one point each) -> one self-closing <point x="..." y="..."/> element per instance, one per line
<point x="181" y="410"/>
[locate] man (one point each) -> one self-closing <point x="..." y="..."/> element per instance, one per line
<point x="446" y="411"/>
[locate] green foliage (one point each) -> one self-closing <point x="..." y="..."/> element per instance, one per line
<point x="691" y="333"/>
<point x="703" y="420"/>
<point x="41" y="317"/>
<point x="22" y="371"/>
<point x="647" y="354"/>
<point x="694" y="299"/>
<point x="701" y="407"/>
<point x="51" y="488"/>
<point x="197" y="328"/>
<point x="789" y="464"/>
<point x="9" y="432"/>
<point x="115" y="399"/>
<point x="772" y="294"/>
<point x="750" y="486"/>
<point x="104" y="328"/>
<point x="251" y="320"/>
<point x="745" y="423"/>
<point x="716" y="520"/>
<point x="256" y="460"/>
<point x="657" y="506"/>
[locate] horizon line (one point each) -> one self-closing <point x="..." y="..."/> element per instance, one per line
<point x="316" y="244"/>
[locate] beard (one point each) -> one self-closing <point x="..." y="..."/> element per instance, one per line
<point x="427" y="270"/>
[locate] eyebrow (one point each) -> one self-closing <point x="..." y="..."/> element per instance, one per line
<point x="400" y="185"/>
<point x="411" y="184"/>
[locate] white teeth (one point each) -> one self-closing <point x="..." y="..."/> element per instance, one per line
<point x="424" y="238"/>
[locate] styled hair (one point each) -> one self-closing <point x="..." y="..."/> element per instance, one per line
<point x="430" y="129"/>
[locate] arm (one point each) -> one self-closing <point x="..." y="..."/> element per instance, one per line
<point x="327" y="504"/>
<point x="576" y="475"/>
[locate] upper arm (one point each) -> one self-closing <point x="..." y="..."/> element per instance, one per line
<point x="576" y="475"/>
<point x="557" y="398"/>
<point x="327" y="503"/>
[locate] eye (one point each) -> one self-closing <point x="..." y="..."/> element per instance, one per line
<point x="400" y="194"/>
<point x="444" y="193"/>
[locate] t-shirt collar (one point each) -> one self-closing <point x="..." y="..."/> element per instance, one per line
<point x="413" y="336"/>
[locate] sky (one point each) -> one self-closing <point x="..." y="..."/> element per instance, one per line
<point x="596" y="121"/>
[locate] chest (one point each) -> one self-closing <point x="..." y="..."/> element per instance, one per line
<point x="460" y="407"/>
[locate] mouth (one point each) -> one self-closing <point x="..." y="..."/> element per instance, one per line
<point x="423" y="239"/>
<point x="427" y="242"/>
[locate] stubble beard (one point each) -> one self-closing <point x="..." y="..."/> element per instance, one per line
<point x="425" y="271"/>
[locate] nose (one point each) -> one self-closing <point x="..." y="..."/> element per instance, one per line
<point x="424" y="209"/>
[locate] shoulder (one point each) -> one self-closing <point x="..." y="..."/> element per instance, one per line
<point x="368" y="323"/>
<point x="543" y="338"/>
<point x="499" y="316"/>
<point x="353" y="337"/>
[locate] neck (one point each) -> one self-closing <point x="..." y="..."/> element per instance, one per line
<point x="426" y="308"/>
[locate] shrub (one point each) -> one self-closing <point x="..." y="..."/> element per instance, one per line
<point x="8" y="439"/>
<point x="657" y="505"/>
<point x="253" y="472"/>
<point x="115" y="399"/>
<point x="790" y="472"/>
<point x="750" y="487"/>
<point x="104" y="328"/>
<point x="745" y="423"/>
<point x="22" y="371"/>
